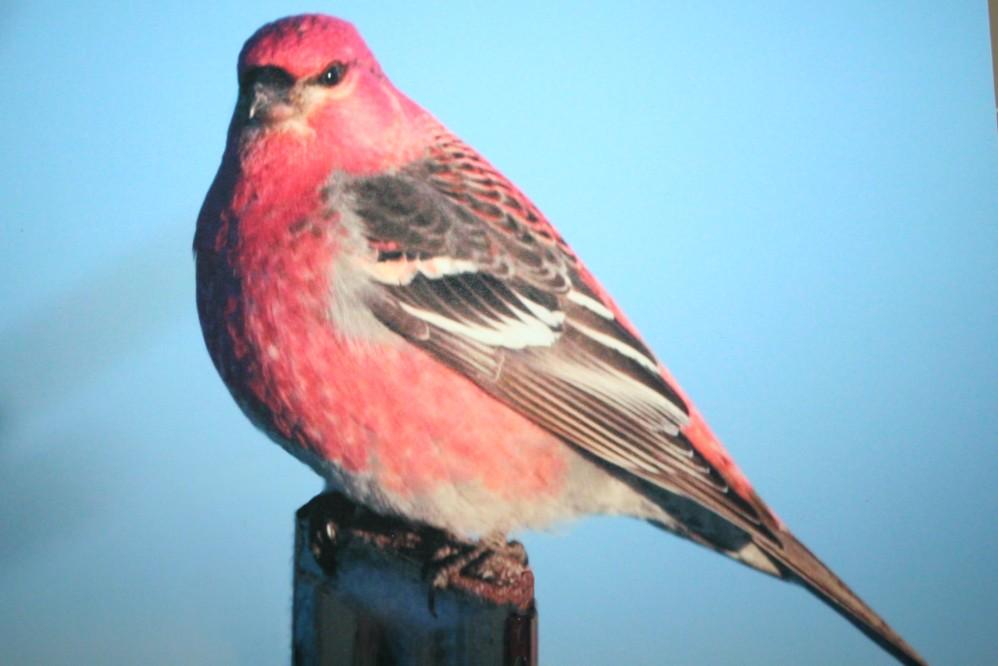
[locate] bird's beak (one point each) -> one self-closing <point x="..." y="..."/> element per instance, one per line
<point x="268" y="96"/>
<point x="268" y="105"/>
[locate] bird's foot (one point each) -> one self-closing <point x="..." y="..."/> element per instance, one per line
<point x="492" y="560"/>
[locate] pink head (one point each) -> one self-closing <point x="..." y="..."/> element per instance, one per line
<point x="310" y="80"/>
<point x="305" y="45"/>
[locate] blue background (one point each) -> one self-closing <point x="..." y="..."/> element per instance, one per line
<point x="797" y="203"/>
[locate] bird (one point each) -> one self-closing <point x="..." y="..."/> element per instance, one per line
<point x="394" y="312"/>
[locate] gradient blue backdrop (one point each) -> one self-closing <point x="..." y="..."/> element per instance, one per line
<point x="797" y="203"/>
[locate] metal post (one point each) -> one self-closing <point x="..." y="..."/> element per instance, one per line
<point x="363" y="596"/>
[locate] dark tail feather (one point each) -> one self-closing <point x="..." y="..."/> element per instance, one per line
<point x="800" y="565"/>
<point x="766" y="545"/>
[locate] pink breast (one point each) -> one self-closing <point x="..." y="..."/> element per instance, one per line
<point x="382" y="408"/>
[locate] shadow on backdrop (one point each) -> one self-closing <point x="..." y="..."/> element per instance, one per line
<point x="88" y="328"/>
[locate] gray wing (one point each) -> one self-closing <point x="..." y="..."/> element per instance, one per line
<point x="471" y="279"/>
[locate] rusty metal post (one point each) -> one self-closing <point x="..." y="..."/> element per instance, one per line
<point x="363" y="596"/>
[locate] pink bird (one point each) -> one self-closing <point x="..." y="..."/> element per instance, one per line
<point x="395" y="313"/>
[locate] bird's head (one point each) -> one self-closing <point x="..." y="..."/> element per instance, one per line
<point x="311" y="81"/>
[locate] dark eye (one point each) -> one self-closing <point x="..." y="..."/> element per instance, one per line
<point x="333" y="75"/>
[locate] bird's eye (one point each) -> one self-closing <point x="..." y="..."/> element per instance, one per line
<point x="333" y="74"/>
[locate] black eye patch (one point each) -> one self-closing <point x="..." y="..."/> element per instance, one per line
<point x="268" y="77"/>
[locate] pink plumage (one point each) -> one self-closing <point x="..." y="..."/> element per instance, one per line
<point x="393" y="311"/>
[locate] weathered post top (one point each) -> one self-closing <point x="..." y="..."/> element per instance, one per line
<point x="371" y="590"/>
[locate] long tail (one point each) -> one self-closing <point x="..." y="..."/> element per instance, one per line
<point x="770" y="547"/>
<point x="799" y="564"/>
